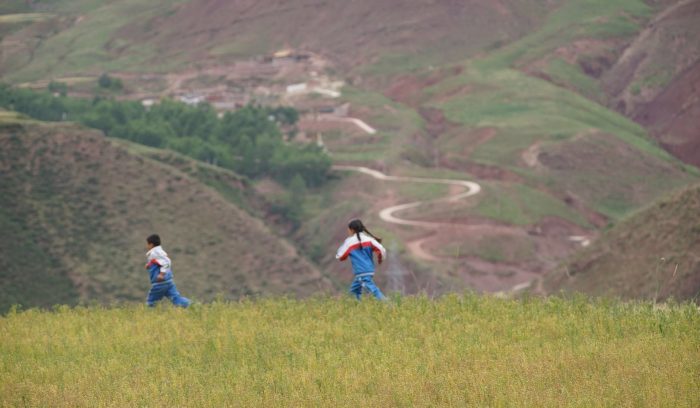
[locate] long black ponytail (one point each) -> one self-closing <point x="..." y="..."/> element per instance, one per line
<point x="356" y="226"/>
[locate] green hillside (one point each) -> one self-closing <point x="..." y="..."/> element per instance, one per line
<point x="552" y="159"/>
<point x="76" y="208"/>
<point x="563" y="111"/>
<point x="455" y="351"/>
<point x="651" y="255"/>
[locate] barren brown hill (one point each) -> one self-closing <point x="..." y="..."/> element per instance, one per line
<point x="76" y="208"/>
<point x="651" y="255"/>
<point x="351" y="32"/>
<point x="171" y="36"/>
<point x="656" y="81"/>
<point x="673" y="116"/>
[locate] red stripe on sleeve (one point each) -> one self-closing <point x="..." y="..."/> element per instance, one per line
<point x="151" y="263"/>
<point x="378" y="252"/>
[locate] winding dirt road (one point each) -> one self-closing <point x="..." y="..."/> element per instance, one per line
<point x="523" y="277"/>
<point x="387" y="214"/>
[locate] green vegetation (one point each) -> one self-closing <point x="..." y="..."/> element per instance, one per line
<point x="575" y="19"/>
<point x="523" y="105"/>
<point x="60" y="88"/>
<point x="23" y="18"/>
<point x="395" y="122"/>
<point x="248" y="141"/>
<point x="455" y="351"/>
<point x="93" y="44"/>
<point x="20" y="253"/>
<point x="66" y="7"/>
<point x="557" y="141"/>
<point x="14" y="7"/>
<point x="12" y="118"/>
<point x="422" y="191"/>
<point x="562" y="72"/>
<point x="520" y="205"/>
<point x="107" y="82"/>
<point x="656" y="80"/>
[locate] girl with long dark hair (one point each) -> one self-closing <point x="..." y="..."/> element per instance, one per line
<point x="360" y="246"/>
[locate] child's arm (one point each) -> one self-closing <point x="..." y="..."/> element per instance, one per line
<point x="152" y="264"/>
<point x="343" y="251"/>
<point x="379" y="250"/>
<point x="163" y="262"/>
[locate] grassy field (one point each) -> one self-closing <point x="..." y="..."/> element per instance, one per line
<point x="455" y="351"/>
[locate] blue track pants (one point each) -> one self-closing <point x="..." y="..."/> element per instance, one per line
<point x="366" y="283"/>
<point x="168" y="290"/>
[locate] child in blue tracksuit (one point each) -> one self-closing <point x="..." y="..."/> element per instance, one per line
<point x="360" y="247"/>
<point x="161" y="275"/>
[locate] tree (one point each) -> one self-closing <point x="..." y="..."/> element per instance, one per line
<point x="248" y="141"/>
<point x="58" y="87"/>
<point x="107" y="82"/>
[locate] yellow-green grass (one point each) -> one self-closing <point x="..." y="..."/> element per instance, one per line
<point x="10" y="117"/>
<point x="455" y="351"/>
<point x="23" y="18"/>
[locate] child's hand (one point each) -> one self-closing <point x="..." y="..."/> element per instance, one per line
<point x="161" y="277"/>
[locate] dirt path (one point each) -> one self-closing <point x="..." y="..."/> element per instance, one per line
<point x="388" y="214"/>
<point x="523" y="276"/>
<point x="416" y="247"/>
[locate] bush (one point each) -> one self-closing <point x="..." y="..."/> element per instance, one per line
<point x="107" y="82"/>
<point x="58" y="87"/>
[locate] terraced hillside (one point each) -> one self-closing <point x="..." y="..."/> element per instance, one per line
<point x="76" y="208"/>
